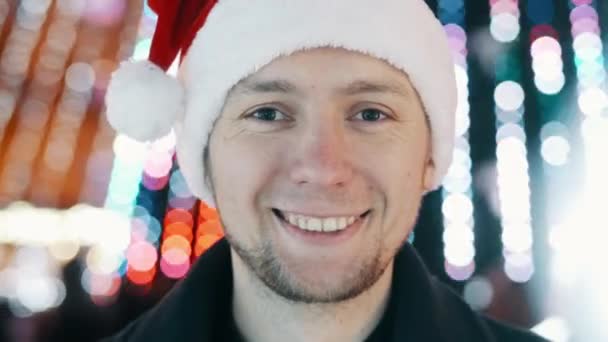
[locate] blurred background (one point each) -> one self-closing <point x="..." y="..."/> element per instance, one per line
<point x="95" y="228"/>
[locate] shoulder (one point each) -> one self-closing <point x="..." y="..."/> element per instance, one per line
<point x="437" y="313"/>
<point x="454" y="309"/>
<point x="507" y="333"/>
<point x="132" y="331"/>
<point x="193" y="307"/>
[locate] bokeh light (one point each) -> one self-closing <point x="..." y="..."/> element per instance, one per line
<point x="505" y="27"/>
<point x="457" y="207"/>
<point x="555" y="150"/>
<point x="141" y="256"/>
<point x="141" y="277"/>
<point x="509" y="96"/>
<point x="478" y="293"/>
<point x="175" y="263"/>
<point x="547" y="65"/>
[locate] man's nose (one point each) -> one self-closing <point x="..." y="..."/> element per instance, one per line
<point x="322" y="156"/>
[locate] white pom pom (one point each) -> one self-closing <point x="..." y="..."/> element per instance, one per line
<point x="142" y="101"/>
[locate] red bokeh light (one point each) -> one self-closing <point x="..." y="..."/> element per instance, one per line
<point x="179" y="215"/>
<point x="139" y="277"/>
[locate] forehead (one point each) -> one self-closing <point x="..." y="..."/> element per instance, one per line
<point x="326" y="69"/>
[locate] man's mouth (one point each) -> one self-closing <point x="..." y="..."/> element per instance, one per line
<point x="318" y="224"/>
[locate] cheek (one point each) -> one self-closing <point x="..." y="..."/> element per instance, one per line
<point x="395" y="163"/>
<point x="395" y="169"/>
<point x="242" y="166"/>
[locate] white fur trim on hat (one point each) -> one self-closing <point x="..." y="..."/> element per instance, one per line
<point x="143" y="101"/>
<point x="241" y="36"/>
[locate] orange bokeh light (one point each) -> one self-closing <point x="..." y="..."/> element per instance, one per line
<point x="178" y="228"/>
<point x="205" y="242"/>
<point x="208" y="214"/>
<point x="176" y="242"/>
<point x="210" y="227"/>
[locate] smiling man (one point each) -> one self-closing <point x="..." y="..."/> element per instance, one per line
<point x="315" y="127"/>
<point x="336" y="149"/>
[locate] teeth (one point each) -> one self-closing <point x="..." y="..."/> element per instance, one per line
<point x="301" y="222"/>
<point x="330" y="224"/>
<point x="292" y="219"/>
<point x="315" y="224"/>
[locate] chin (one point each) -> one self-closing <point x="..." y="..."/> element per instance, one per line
<point x="311" y="282"/>
<point x="327" y="285"/>
<point x="312" y="275"/>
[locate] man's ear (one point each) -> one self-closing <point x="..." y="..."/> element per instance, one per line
<point x="428" y="180"/>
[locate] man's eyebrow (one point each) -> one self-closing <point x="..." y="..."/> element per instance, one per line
<point x="363" y="86"/>
<point x="270" y="86"/>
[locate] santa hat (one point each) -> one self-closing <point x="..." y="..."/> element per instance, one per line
<point x="222" y="42"/>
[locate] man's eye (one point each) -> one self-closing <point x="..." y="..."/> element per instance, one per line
<point x="268" y="114"/>
<point x="371" y="115"/>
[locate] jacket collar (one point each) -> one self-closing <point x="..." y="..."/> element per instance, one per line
<point x="418" y="308"/>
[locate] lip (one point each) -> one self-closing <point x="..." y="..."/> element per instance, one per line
<point x="321" y="238"/>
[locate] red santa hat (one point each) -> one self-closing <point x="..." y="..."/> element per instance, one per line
<point x="222" y="42"/>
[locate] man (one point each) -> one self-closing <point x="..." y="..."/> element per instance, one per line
<point x="315" y="127"/>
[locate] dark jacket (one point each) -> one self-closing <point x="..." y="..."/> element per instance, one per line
<point x="420" y="309"/>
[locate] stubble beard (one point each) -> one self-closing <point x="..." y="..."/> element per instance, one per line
<point x="265" y="264"/>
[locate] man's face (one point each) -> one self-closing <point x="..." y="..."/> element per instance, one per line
<point x="325" y="133"/>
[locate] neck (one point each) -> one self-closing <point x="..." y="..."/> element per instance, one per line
<point x="262" y="315"/>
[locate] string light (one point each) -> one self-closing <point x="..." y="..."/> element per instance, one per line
<point x="511" y="152"/>
<point x="209" y="229"/>
<point x="577" y="237"/>
<point x="178" y="236"/>
<point x="457" y="207"/>
<point x="14" y="63"/>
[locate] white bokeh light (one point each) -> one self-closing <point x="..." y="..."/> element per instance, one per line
<point x="545" y="44"/>
<point x="592" y="101"/>
<point x="504" y="27"/>
<point x="555" y="150"/>
<point x="457" y="206"/>
<point x="478" y="293"/>
<point x="509" y="95"/>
